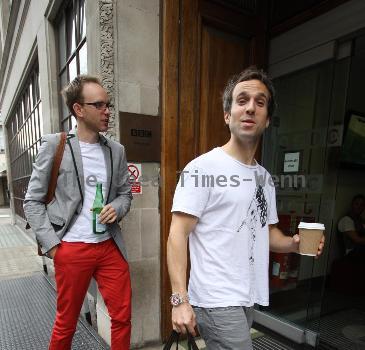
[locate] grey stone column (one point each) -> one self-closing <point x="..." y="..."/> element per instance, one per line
<point x="107" y="59"/>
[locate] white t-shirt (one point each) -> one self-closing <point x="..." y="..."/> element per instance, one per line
<point x="229" y="247"/>
<point x="94" y="167"/>
<point x="346" y="224"/>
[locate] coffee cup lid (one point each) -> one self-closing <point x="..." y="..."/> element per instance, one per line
<point x="311" y="226"/>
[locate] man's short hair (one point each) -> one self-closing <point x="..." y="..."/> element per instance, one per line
<point x="72" y="92"/>
<point x="358" y="196"/>
<point x="251" y="73"/>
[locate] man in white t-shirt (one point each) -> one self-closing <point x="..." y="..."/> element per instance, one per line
<point x="225" y="204"/>
<point x="353" y="228"/>
<point x="64" y="227"/>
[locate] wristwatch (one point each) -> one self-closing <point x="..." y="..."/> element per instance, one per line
<point x="176" y="299"/>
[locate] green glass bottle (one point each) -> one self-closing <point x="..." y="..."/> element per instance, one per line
<point x="98" y="205"/>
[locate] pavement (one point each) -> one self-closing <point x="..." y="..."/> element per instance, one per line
<point x="20" y="262"/>
<point x="21" y="275"/>
<point x="18" y="253"/>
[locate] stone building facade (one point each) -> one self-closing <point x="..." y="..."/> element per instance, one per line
<point x="123" y="48"/>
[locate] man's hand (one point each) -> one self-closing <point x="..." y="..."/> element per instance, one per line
<point x="108" y="215"/>
<point x="320" y="247"/>
<point x="52" y="252"/>
<point x="295" y="244"/>
<point x="183" y="319"/>
<point x="296" y="240"/>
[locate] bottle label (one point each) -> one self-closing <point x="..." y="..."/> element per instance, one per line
<point x="98" y="226"/>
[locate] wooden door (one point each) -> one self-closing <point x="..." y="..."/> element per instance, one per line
<point x="204" y="43"/>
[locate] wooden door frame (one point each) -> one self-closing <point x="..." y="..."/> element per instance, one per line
<point x="169" y="140"/>
<point x="170" y="85"/>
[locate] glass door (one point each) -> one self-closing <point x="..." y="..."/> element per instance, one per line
<point x="297" y="152"/>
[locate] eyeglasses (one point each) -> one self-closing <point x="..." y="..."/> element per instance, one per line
<point x="100" y="105"/>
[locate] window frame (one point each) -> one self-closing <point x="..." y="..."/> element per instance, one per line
<point x="24" y="132"/>
<point x="77" y="9"/>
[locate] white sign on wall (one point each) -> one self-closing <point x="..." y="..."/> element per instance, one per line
<point x="291" y="162"/>
<point x="135" y="172"/>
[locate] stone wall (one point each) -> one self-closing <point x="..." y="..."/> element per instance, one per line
<point x="136" y="73"/>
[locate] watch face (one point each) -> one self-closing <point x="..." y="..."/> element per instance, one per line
<point x="175" y="300"/>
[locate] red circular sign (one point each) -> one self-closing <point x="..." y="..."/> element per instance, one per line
<point x="133" y="172"/>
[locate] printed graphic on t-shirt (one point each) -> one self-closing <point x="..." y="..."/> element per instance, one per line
<point x="257" y="210"/>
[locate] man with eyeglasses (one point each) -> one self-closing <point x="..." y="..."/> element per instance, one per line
<point x="64" y="226"/>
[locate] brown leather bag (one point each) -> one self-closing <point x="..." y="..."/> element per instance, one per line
<point x="53" y="177"/>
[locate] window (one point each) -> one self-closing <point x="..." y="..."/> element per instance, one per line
<point x="72" y="50"/>
<point x="24" y="129"/>
<point x="2" y="144"/>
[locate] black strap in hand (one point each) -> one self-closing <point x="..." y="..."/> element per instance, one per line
<point x="191" y="343"/>
<point x="174" y="338"/>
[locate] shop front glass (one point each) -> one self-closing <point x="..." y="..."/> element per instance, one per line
<point x="315" y="150"/>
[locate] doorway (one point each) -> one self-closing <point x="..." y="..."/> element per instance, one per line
<point x="304" y="193"/>
<point x="321" y="301"/>
<point x="204" y="44"/>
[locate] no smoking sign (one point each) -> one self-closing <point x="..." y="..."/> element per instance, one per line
<point x="135" y="172"/>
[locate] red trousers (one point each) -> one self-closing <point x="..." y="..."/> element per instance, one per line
<point x="75" y="265"/>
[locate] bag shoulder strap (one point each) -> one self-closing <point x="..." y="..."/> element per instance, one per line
<point x="56" y="167"/>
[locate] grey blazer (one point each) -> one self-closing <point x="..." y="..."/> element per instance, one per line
<point x="50" y="222"/>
